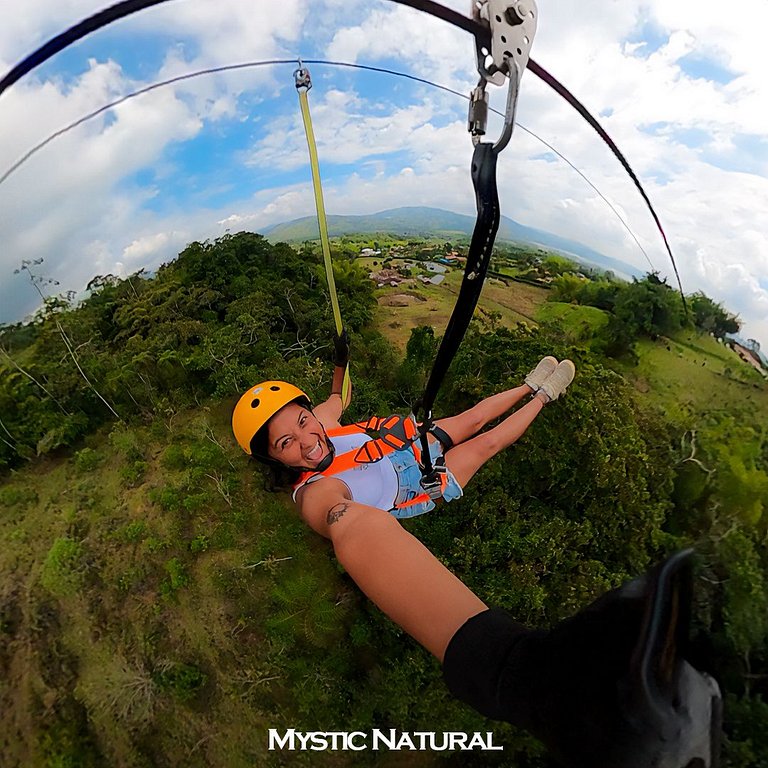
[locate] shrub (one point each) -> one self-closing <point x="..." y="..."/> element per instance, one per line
<point x="134" y="531"/>
<point x="133" y="473"/>
<point x="183" y="681"/>
<point x="13" y="495"/>
<point x="87" y="460"/>
<point x="200" y="543"/>
<point x="63" y="568"/>
<point x="177" y="577"/>
<point x="174" y="458"/>
<point x="168" y="498"/>
<point x="127" y="443"/>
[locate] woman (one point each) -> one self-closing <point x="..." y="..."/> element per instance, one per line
<point x="274" y="422"/>
<point x="588" y="688"/>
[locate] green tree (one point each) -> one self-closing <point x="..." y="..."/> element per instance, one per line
<point x="649" y="307"/>
<point x="567" y="288"/>
<point x="711" y="317"/>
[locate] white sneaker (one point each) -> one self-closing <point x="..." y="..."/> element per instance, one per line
<point x="557" y="382"/>
<point x="541" y="372"/>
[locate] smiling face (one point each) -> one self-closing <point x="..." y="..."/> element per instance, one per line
<point x="296" y="437"/>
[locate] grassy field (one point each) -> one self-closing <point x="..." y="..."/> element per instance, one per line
<point x="689" y="372"/>
<point x="693" y="373"/>
<point x="134" y="596"/>
<point x="579" y="323"/>
<point x="433" y="304"/>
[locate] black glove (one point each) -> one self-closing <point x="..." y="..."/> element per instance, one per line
<point x="341" y="349"/>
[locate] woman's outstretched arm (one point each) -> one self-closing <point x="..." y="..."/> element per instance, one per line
<point x="395" y="570"/>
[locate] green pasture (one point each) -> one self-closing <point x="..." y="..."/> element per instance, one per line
<point x="690" y="372"/>
<point x="432" y="305"/>
<point x="579" y="323"/>
<point x="694" y="373"/>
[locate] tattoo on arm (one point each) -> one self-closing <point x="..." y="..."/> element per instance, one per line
<point x="336" y="512"/>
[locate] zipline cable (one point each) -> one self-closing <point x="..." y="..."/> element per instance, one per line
<point x="584" y="112"/>
<point x="303" y="84"/>
<point x="127" y="97"/>
<point x="481" y="34"/>
<point x="72" y="35"/>
<point x="322" y="62"/>
<point x="128" y="7"/>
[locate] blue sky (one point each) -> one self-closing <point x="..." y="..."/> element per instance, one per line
<point x="679" y="87"/>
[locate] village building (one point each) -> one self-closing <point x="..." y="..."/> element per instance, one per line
<point x="750" y="353"/>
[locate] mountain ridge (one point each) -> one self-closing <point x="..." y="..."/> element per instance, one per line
<point x="425" y="221"/>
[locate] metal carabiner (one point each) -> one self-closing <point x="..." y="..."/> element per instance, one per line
<point x="513" y="26"/>
<point x="301" y="77"/>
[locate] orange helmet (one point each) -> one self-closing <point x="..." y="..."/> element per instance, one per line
<point x="258" y="405"/>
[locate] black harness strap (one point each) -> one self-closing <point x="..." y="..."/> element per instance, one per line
<point x="478" y="259"/>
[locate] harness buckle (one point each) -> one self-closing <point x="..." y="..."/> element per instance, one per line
<point x="432" y="483"/>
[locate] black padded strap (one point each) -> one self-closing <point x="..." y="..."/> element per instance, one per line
<point x="445" y="439"/>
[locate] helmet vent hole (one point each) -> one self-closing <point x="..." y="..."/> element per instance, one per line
<point x="274" y="388"/>
<point x="255" y="403"/>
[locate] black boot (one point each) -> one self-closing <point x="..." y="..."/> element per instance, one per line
<point x="606" y="688"/>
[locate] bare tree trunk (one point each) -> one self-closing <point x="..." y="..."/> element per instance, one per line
<point x="36" y="280"/>
<point x="68" y="345"/>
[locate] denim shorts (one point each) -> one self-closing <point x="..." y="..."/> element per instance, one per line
<point x="409" y="482"/>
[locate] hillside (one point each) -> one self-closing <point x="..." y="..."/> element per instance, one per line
<point x="687" y="370"/>
<point x="162" y="604"/>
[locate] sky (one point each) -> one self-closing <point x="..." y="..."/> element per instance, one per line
<point x="681" y="88"/>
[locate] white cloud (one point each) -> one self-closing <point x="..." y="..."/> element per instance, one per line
<point x="144" y="247"/>
<point x="349" y="129"/>
<point x="79" y="204"/>
<point x="432" y="49"/>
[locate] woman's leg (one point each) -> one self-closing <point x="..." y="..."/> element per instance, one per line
<point x="467" y="424"/>
<point x="465" y="459"/>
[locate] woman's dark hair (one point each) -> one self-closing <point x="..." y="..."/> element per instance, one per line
<point x="278" y="476"/>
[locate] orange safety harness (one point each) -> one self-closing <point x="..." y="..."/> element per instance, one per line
<point x="390" y="433"/>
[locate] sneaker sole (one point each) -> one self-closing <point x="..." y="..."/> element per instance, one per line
<point x="559" y="380"/>
<point x="534" y="380"/>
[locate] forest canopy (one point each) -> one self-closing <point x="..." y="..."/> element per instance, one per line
<point x="133" y="519"/>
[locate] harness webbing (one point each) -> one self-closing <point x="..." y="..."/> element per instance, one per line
<point x="302" y="86"/>
<point x="478" y="259"/>
<point x="396" y="433"/>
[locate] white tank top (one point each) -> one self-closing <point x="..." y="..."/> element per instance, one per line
<point x="372" y="484"/>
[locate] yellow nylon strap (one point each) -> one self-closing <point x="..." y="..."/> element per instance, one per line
<point x="322" y="223"/>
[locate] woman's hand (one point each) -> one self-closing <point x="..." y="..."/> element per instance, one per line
<point x="341" y="349"/>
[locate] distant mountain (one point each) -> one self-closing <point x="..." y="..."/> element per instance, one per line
<point x="422" y="221"/>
